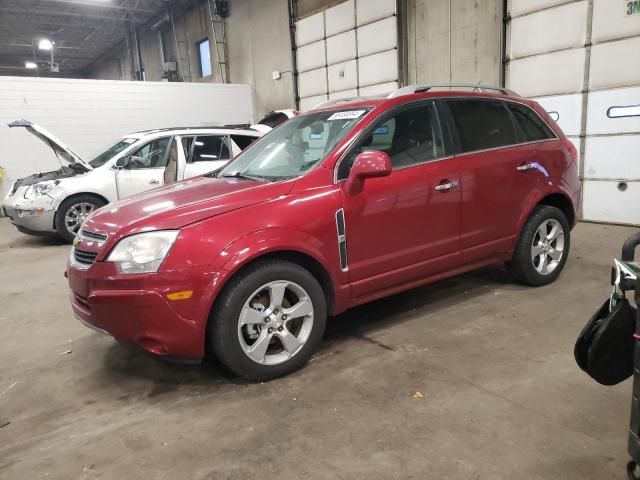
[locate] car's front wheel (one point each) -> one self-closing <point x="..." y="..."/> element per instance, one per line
<point x="72" y="213"/>
<point x="268" y="320"/>
<point x="543" y="247"/>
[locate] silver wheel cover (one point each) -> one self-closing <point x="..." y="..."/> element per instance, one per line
<point x="75" y="216"/>
<point x="547" y="247"/>
<point x="275" y="322"/>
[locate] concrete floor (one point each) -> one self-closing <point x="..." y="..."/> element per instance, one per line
<point x="502" y="396"/>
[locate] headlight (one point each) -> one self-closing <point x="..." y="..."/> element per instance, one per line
<point x="143" y="252"/>
<point x="40" y="188"/>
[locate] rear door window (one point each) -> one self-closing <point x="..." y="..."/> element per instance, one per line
<point x="531" y="126"/>
<point x="482" y="124"/>
<point x="210" y="148"/>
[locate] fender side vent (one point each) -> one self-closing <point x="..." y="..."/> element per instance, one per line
<point x="342" y="240"/>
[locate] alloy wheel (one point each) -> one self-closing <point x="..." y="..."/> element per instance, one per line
<point x="76" y="215"/>
<point x="547" y="247"/>
<point x="275" y="322"/>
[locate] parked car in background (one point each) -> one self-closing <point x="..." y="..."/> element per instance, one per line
<point x="337" y="207"/>
<point x="59" y="201"/>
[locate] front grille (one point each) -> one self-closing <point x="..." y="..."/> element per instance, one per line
<point x="93" y="235"/>
<point x="84" y="257"/>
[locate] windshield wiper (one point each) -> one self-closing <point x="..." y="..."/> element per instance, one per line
<point x="245" y="176"/>
<point x="213" y="173"/>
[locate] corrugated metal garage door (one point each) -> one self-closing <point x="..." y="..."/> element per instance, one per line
<point x="581" y="61"/>
<point x="347" y="50"/>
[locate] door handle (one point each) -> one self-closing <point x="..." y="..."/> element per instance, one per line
<point x="443" y="187"/>
<point x="154" y="182"/>
<point x="526" y="166"/>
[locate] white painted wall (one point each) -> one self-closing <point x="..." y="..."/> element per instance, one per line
<point x="89" y="115"/>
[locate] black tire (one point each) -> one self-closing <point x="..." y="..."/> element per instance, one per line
<point x="522" y="265"/>
<point x="222" y="333"/>
<point x="65" y="206"/>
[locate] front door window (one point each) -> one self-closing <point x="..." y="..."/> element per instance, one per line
<point x="151" y="155"/>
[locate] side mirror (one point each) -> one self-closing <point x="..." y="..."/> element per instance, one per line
<point x="121" y="163"/>
<point x="368" y="164"/>
<point x="132" y="162"/>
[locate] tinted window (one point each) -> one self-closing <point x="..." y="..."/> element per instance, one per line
<point x="530" y="124"/>
<point x="210" y="149"/>
<point x="409" y="137"/>
<point x="150" y="155"/>
<point x="243" y="141"/>
<point x="482" y="124"/>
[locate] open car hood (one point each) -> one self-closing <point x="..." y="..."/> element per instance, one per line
<point x="64" y="153"/>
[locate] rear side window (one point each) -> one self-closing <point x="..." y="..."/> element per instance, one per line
<point x="243" y="141"/>
<point x="210" y="149"/>
<point x="482" y="124"/>
<point x="531" y="126"/>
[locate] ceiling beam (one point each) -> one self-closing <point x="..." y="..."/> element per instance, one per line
<point x="30" y="12"/>
<point x="104" y="5"/>
<point x="44" y="58"/>
<point x="18" y="22"/>
<point x="6" y="42"/>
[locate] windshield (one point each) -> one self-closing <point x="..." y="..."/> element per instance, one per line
<point x="107" y="155"/>
<point x="294" y="147"/>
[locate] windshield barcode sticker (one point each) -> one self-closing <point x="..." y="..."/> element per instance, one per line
<point x="348" y="115"/>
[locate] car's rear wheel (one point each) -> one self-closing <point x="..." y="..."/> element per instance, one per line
<point x="543" y="247"/>
<point x="73" y="212"/>
<point x="268" y="321"/>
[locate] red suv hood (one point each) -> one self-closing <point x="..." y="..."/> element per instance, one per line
<point x="182" y="203"/>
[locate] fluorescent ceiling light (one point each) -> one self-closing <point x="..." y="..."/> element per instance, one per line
<point x="45" y="44"/>
<point x="30" y="65"/>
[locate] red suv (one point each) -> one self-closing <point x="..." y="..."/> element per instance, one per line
<point x="342" y="205"/>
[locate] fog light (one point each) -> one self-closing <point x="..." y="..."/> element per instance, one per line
<point x="38" y="212"/>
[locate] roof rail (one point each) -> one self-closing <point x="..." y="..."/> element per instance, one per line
<point x="336" y="101"/>
<point x="477" y="87"/>
<point x="238" y="126"/>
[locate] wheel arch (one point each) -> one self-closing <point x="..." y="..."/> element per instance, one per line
<point x="563" y="203"/>
<point x="305" y="260"/>
<point x="557" y="199"/>
<point x="74" y="195"/>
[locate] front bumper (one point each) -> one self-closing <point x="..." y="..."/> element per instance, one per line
<point x="30" y="216"/>
<point x="135" y="309"/>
